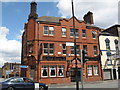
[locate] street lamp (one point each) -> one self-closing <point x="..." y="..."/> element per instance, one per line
<point x="75" y="54"/>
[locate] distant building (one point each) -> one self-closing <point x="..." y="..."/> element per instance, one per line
<point x="11" y="70"/>
<point x="0" y="72"/>
<point x="48" y="49"/>
<point x="110" y="52"/>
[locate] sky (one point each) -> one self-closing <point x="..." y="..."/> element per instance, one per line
<point x="14" y="13"/>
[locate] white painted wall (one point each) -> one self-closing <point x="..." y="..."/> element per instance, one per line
<point x="103" y="47"/>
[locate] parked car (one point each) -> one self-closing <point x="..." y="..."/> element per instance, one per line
<point x="18" y="83"/>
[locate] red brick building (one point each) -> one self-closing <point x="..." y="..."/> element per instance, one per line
<point x="46" y="51"/>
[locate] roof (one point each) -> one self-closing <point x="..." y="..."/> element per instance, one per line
<point x="52" y="19"/>
<point x="49" y="19"/>
<point x="106" y="34"/>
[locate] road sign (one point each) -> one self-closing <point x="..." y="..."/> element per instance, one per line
<point x="23" y="66"/>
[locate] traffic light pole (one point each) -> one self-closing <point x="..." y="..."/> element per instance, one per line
<point x="82" y="58"/>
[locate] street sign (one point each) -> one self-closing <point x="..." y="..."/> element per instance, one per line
<point x="69" y="44"/>
<point x="23" y="66"/>
<point x="108" y="53"/>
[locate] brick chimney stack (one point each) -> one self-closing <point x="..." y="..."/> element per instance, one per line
<point x="88" y="18"/>
<point x="33" y="13"/>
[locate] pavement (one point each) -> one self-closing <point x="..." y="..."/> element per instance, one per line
<point x="110" y="84"/>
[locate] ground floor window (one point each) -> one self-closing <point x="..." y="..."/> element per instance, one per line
<point x="52" y="71"/>
<point x="89" y="69"/>
<point x="95" y="69"/>
<point x="61" y="71"/>
<point x="92" y="69"/>
<point x="44" y="71"/>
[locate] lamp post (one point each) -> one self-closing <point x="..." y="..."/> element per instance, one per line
<point x="75" y="54"/>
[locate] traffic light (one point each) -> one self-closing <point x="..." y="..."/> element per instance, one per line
<point x="83" y="56"/>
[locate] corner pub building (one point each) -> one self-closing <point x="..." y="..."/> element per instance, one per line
<point x="48" y="52"/>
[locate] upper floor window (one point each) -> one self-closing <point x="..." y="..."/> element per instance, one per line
<point x="107" y="41"/>
<point x="84" y="33"/>
<point x="85" y="49"/>
<point x="45" y="30"/>
<point x="72" y="32"/>
<point x="72" y="50"/>
<point x="78" y="49"/>
<point x="51" y="49"/>
<point x="48" y="49"/>
<point x="94" y="34"/>
<point x="116" y="46"/>
<point x="45" y="48"/>
<point x="95" y="50"/>
<point x="64" y="49"/>
<point x="64" y="32"/>
<point x="51" y="31"/>
<point x="48" y="30"/>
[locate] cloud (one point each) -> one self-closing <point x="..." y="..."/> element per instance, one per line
<point x="105" y="12"/>
<point x="10" y="50"/>
<point x="19" y="36"/>
<point x="29" y="0"/>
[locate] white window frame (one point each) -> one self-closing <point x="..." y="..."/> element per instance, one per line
<point x="96" y="70"/>
<point x="46" y="49"/>
<point x="89" y="70"/>
<point x="64" y="32"/>
<point x="63" y="49"/>
<point x="51" y="31"/>
<point x="78" y="50"/>
<point x="62" y="69"/>
<point x="94" y="32"/>
<point x="46" y="30"/>
<point x="95" y="50"/>
<point x="77" y="32"/>
<point x="72" y="50"/>
<point x="51" y="49"/>
<point x="44" y="68"/>
<point x="52" y="68"/>
<point x="83" y="34"/>
<point x="85" y="48"/>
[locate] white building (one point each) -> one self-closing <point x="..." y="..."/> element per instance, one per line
<point x="109" y="55"/>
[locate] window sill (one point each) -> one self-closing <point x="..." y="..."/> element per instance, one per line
<point x="96" y="74"/>
<point x="52" y="76"/>
<point x="44" y="76"/>
<point x="84" y="38"/>
<point x="90" y="75"/>
<point x="64" y="36"/>
<point x="48" y="35"/>
<point x="60" y="76"/>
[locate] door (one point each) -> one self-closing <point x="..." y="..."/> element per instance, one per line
<point x="107" y="74"/>
<point x="114" y="74"/>
<point x="118" y="72"/>
<point x="73" y="74"/>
